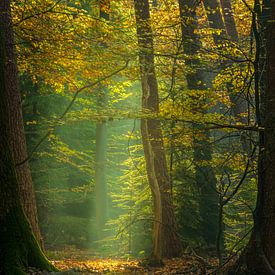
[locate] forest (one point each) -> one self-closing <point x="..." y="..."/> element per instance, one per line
<point x="136" y="137"/>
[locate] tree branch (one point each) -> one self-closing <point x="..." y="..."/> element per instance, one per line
<point x="68" y="109"/>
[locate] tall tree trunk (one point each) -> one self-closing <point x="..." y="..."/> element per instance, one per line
<point x="19" y="248"/>
<point x="100" y="178"/>
<point x="166" y="242"/>
<point x="259" y="255"/>
<point x="204" y="175"/>
<point x="18" y="143"/>
<point x="101" y="148"/>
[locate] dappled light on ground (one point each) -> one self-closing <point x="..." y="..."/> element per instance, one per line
<point x="184" y="265"/>
<point x="97" y="265"/>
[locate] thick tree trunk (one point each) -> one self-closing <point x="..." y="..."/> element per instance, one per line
<point x="18" y="142"/>
<point x="19" y="248"/>
<point x="204" y="175"/>
<point x="259" y="256"/>
<point x="166" y="242"/>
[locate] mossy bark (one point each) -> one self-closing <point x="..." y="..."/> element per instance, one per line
<point x="16" y="125"/>
<point x="19" y="248"/>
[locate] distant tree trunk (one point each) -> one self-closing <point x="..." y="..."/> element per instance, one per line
<point x="100" y="178"/>
<point x="239" y="104"/>
<point x="18" y="144"/>
<point x="166" y="242"/>
<point x="229" y="20"/>
<point x="215" y="20"/>
<point x="259" y="255"/>
<point x="204" y="175"/>
<point x="101" y="148"/>
<point x="228" y="30"/>
<point x="19" y="248"/>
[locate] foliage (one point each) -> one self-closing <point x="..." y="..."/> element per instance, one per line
<point x="63" y="46"/>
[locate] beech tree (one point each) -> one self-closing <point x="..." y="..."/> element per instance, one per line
<point x="19" y="248"/>
<point x="204" y="175"/>
<point x="19" y="150"/>
<point x="166" y="242"/>
<point x="101" y="146"/>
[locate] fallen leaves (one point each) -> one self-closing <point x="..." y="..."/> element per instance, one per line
<point x="104" y="266"/>
<point x="185" y="265"/>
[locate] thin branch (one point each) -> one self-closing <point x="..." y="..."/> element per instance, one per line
<point x="39" y="13"/>
<point x="242" y="179"/>
<point x="67" y="110"/>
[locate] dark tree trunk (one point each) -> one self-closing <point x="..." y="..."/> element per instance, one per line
<point x="166" y="242"/>
<point x="215" y="20"/>
<point x="19" y="248"/>
<point x="18" y="141"/>
<point x="204" y="175"/>
<point x="259" y="255"/>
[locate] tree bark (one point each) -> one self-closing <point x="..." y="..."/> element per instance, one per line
<point x="19" y="248"/>
<point x="18" y="141"/>
<point x="166" y="242"/>
<point x="204" y="176"/>
<point x="229" y="20"/>
<point x="259" y="255"/>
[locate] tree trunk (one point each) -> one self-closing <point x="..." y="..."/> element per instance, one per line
<point x="204" y="175"/>
<point x="228" y="30"/>
<point x="166" y="242"/>
<point x="229" y="20"/>
<point x="100" y="178"/>
<point x="19" y="248"/>
<point x="18" y="141"/>
<point x="259" y="255"/>
<point x="239" y="104"/>
<point x="215" y="20"/>
<point x="101" y="148"/>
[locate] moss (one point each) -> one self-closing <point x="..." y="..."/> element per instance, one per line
<point x="20" y="249"/>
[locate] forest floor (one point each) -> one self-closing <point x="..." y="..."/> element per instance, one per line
<point x="82" y="263"/>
